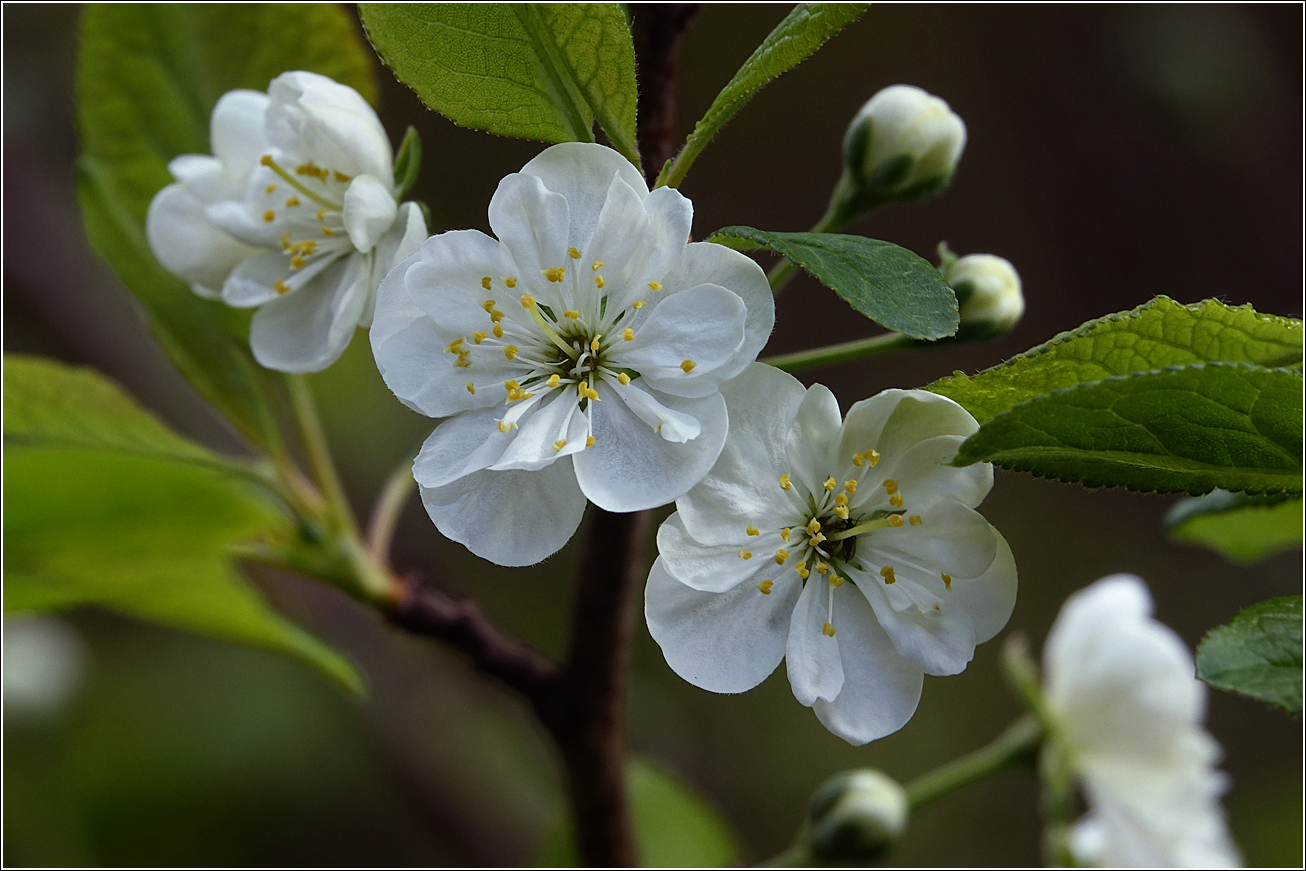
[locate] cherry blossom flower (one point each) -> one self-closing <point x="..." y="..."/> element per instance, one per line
<point x="579" y="355"/>
<point x="846" y="546"/>
<point x="1126" y="714"/>
<point x="294" y="214"/>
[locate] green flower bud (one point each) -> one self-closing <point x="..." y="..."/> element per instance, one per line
<point x="903" y="145"/>
<point x="855" y="816"/>
<point x="988" y="294"/>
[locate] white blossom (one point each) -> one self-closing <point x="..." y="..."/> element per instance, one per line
<point x="904" y="143"/>
<point x="846" y="546"/>
<point x="988" y="294"/>
<point x="579" y="355"/>
<point x="1127" y="711"/>
<point x="294" y="213"/>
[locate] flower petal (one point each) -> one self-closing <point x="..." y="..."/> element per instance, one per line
<point x="459" y="446"/>
<point x="445" y="279"/>
<point x="924" y="476"/>
<point x="701" y="329"/>
<point x="236" y="129"/>
<point x="880" y="689"/>
<point x="400" y="242"/>
<point x="744" y="482"/>
<point x="308" y="329"/>
<point x="369" y="211"/>
<point x="670" y="216"/>
<point x="989" y="599"/>
<point x="939" y="642"/>
<point x="671" y="425"/>
<point x="814" y="432"/>
<point x="811" y="656"/>
<point x="512" y="518"/>
<point x="893" y="421"/>
<point x="710" y="568"/>
<point x="723" y="642"/>
<point x="630" y="467"/>
<point x="534" y="445"/>
<point x="317" y="118"/>
<point x="621" y="226"/>
<point x="531" y="222"/>
<point x="951" y="538"/>
<point x="708" y="263"/>
<point x="254" y="281"/>
<point x="187" y="244"/>
<point x="582" y="172"/>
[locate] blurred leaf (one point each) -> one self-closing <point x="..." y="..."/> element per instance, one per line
<point x="1241" y="528"/>
<point x="674" y="826"/>
<point x="887" y="283"/>
<point x="147" y="79"/>
<point x="803" y="31"/>
<point x="408" y="162"/>
<point x="1155" y="335"/>
<point x="1258" y="653"/>
<point x="535" y="70"/>
<point x="1187" y="429"/>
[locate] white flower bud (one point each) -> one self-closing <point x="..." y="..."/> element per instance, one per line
<point x="903" y="145"/>
<point x="855" y="816"/>
<point x="988" y="293"/>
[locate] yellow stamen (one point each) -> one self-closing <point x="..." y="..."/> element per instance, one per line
<point x="511" y="385"/>
<point x="589" y="441"/>
<point x="504" y="426"/>
<point x="802" y="571"/>
<point x="813" y="526"/>
<point x="464" y="361"/>
<point x="765" y="587"/>
<point x="639" y="304"/>
<point x="830" y="484"/>
<point x="628" y="334"/>
<point x="270" y="188"/>
<point x="850" y="486"/>
<point x="780" y="556"/>
<point x="292" y="202"/>
<point x="596" y="265"/>
<point x="784" y="533"/>
<point x="895" y="520"/>
<point x="842" y="511"/>
<point x="821" y="568"/>
<point x="687" y="366"/>
<point x="265" y="160"/>
<point x="559" y="445"/>
<point x="752" y="530"/>
<point x="498" y="331"/>
<point x="655" y="285"/>
<point x="784" y="482"/>
<point x="478" y="337"/>
<point x="896" y="500"/>
<point x="471" y="388"/>
<point x="456" y="346"/>
<point x="485" y="282"/>
<point x="887" y="574"/>
<point x="836" y="582"/>
<point x="828" y="629"/>
<point x="914" y="520"/>
<point x="510" y="352"/>
<point x="269" y="216"/>
<point x="280" y="286"/>
<point x="321" y="215"/>
<point x="745" y="554"/>
<point x="553" y="380"/>
<point x="599" y="282"/>
<point x="496" y="316"/>
<point x="527" y="301"/>
<point x="947" y="582"/>
<point x="554" y="274"/>
<point x="297" y="262"/>
<point x="573" y="253"/>
<point x="511" y="282"/>
<point x="841" y="500"/>
<point x="890" y="486"/>
<point x="571" y="313"/>
<point x="327" y="231"/>
<point x="594" y="343"/>
<point x="285" y="239"/>
<point x="488" y="305"/>
<point x="816" y="539"/>
<point x="623" y="379"/>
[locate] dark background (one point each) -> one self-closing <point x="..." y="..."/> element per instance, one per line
<point x="1114" y="153"/>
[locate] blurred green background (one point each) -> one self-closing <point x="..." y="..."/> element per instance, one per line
<point x="1114" y="153"/>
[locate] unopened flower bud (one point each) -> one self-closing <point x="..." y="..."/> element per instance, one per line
<point x="855" y="816"/>
<point x="988" y="294"/>
<point x="902" y="145"/>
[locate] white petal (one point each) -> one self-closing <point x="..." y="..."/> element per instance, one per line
<point x="989" y="599"/>
<point x="445" y="279"/>
<point x="924" y="476"/>
<point x="814" y="432"/>
<point x="582" y="172"/>
<point x="711" y="568"/>
<point x="400" y="242"/>
<point x="510" y="518"/>
<point x="893" y="421"/>
<point x="369" y="211"/>
<point x="206" y="178"/>
<point x="744" y="483"/>
<point x="531" y="222"/>
<point x="621" y="227"/>
<point x="252" y="282"/>
<point x="670" y="424"/>
<point x="704" y="325"/>
<point x="308" y="329"/>
<point x="708" y="263"/>
<point x="951" y="539"/>
<point x="812" y="657"/>
<point x="630" y="467"/>
<point x="670" y="216"/>
<point x="236" y="129"/>
<point x="939" y="642"/>
<point x="459" y="446"/>
<point x="723" y="642"/>
<point x="555" y="419"/>
<point x="880" y="688"/>
<point x="186" y="243"/>
<point x="329" y="123"/>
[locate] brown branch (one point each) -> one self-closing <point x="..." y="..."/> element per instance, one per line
<point x="656" y="29"/>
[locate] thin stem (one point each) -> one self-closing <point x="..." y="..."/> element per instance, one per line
<point x="841" y="353"/>
<point x="1016" y="746"/>
<point x="319" y="452"/>
<point x="389" y="505"/>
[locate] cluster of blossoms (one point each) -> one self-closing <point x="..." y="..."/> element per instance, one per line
<point x="294" y="214"/>
<point x="591" y="352"/>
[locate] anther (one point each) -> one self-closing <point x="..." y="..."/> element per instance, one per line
<point x="498" y="330"/>
<point x="752" y="530"/>
<point x="488" y="305"/>
<point x="297" y="262"/>
<point x="464" y="361"/>
<point x="842" y="511"/>
<point x="292" y="202"/>
<point x="887" y="574"/>
<point x="836" y="581"/>
<point x="285" y="239"/>
<point x="599" y="282"/>
<point x="280" y="286"/>
<point x="687" y="366"/>
<point x="830" y="484"/>
<point x="628" y="334"/>
<point x="784" y="482"/>
<point x="554" y="379"/>
<point x="594" y="343"/>
<point x="471" y="388"/>
<point x="895" y="520"/>
<point x="655" y="286"/>
<point x="914" y="520"/>
<point x="947" y="582"/>
<point x="841" y="500"/>
<point x="456" y="346"/>
<point x="850" y="486"/>
<point x="784" y="533"/>
<point x="589" y="441"/>
<point x="321" y="215"/>
<point x="828" y="629"/>
<point x="504" y="426"/>
<point x="896" y="500"/>
<point x="813" y="526"/>
<point x="573" y="253"/>
<point x="327" y="231"/>
<point x="765" y="587"/>
<point x="571" y="313"/>
<point x="780" y="556"/>
<point x="510" y="385"/>
<point x="744" y="553"/>
<point x="265" y="160"/>
<point x="554" y="274"/>
<point x="485" y="282"/>
<point x="596" y="265"/>
<point x="511" y="282"/>
<point x="559" y="445"/>
<point x="269" y="216"/>
<point x="821" y="568"/>
<point x="270" y="188"/>
<point x="890" y="486"/>
<point x="527" y="301"/>
<point x="623" y="379"/>
<point x="816" y="539"/>
<point x="496" y="316"/>
<point x="802" y="571"/>
<point x="510" y="352"/>
<point x="478" y="337"/>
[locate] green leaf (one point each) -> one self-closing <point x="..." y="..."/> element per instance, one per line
<point x="674" y="826"/>
<point x="1258" y="653"/>
<point x="106" y="505"/>
<point x="536" y="70"/>
<point x="802" y="32"/>
<point x="1186" y="429"/>
<point x="1241" y="528"/>
<point x="147" y="79"/>
<point x="408" y="162"/>
<point x="887" y="283"/>
<point x="1155" y="335"/>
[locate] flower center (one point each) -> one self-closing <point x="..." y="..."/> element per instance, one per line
<point x="311" y="212"/>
